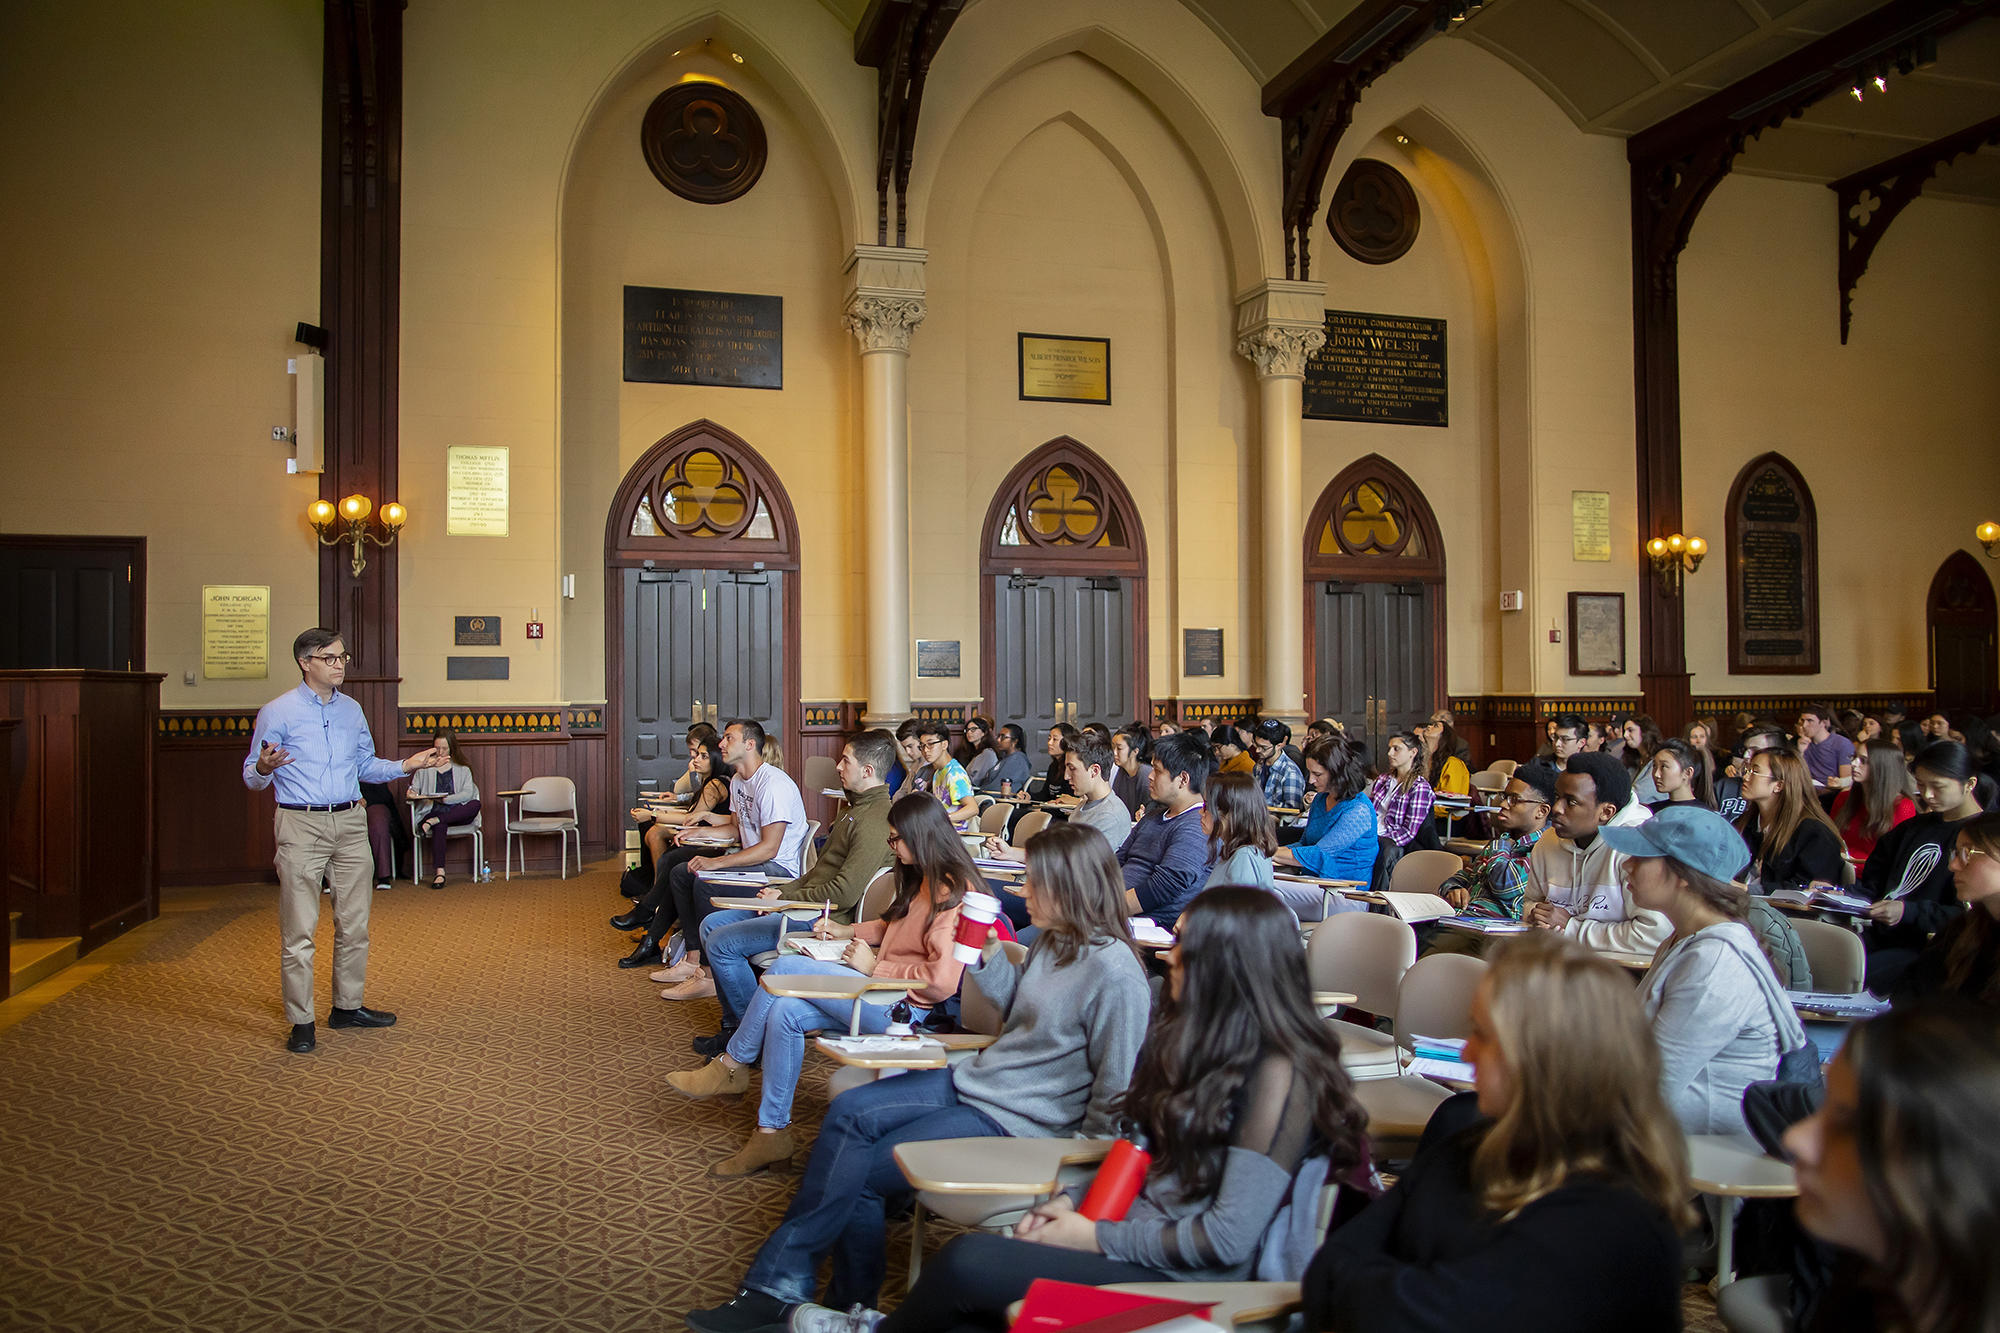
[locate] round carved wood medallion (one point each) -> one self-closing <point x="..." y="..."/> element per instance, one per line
<point x="705" y="142"/>
<point x="1374" y="214"/>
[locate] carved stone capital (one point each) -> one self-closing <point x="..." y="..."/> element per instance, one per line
<point x="1281" y="351"/>
<point x="883" y="323"/>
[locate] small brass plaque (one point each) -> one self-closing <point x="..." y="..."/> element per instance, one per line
<point x="1065" y="370"/>
<point x="475" y="631"/>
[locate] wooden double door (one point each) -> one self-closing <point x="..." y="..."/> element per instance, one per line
<point x="1374" y="671"/>
<point x="701" y="645"/>
<point x="1063" y="651"/>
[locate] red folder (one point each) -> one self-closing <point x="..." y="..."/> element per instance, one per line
<point x="1050" y="1306"/>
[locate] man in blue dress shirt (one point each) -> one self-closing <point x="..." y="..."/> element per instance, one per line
<point x="313" y="745"/>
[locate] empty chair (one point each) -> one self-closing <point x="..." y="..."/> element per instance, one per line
<point x="1835" y="953"/>
<point x="1364" y="954"/>
<point x="821" y="774"/>
<point x="1503" y="766"/>
<point x="1488" y="780"/>
<point x="1422" y="872"/>
<point x="1031" y="823"/>
<point x="548" y="805"/>
<point x="993" y="819"/>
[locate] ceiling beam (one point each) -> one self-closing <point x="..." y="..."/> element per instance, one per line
<point x="1870" y="199"/>
<point x="899" y="39"/>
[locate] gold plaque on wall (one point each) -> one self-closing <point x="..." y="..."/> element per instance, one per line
<point x="1590" y="525"/>
<point x="476" y="491"/>
<point x="1065" y="370"/>
<point x="235" y="632"/>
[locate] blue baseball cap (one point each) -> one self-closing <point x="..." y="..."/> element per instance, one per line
<point x="1694" y="835"/>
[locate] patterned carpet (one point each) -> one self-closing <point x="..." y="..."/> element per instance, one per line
<point x="506" y="1158"/>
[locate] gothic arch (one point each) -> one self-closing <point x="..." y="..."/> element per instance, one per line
<point x="1770" y="523"/>
<point x="1372" y="524"/>
<point x="1960" y="623"/>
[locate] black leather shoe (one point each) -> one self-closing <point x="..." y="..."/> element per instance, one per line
<point x="360" y="1018"/>
<point x="632" y="920"/>
<point x="302" y="1039"/>
<point x="714" y="1046"/>
<point x="647" y="954"/>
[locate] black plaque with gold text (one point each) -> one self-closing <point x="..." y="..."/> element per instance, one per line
<point x="731" y="339"/>
<point x="1387" y="368"/>
<point x="1773" y="561"/>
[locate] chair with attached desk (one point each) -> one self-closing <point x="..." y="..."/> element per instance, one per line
<point x="1504" y="767"/>
<point x="993" y="819"/>
<point x="1733" y="1166"/>
<point x="1487" y="780"/>
<point x="543" y="803"/>
<point x="1433" y="1000"/>
<point x="473" y="831"/>
<point x="821" y="774"/>
<point x="1029" y="825"/>
<point x="809" y="849"/>
<point x="1422" y="872"/>
<point x="1837" y="957"/>
<point x="1365" y="954"/>
<point x="977" y="1015"/>
<point x="989" y="1182"/>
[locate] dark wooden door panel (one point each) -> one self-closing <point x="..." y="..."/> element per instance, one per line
<point x="1025" y="644"/>
<point x="1373" y="675"/>
<point x="663" y="647"/>
<point x="1345" y="688"/>
<point x="1403" y="665"/>
<point x="66" y="606"/>
<point x="1094" y="653"/>
<point x="745" y="631"/>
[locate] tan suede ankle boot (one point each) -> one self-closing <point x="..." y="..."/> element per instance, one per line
<point x="762" y="1152"/>
<point x="714" y="1079"/>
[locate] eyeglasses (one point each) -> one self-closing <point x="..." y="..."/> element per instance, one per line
<point x="331" y="659"/>
<point x="896" y="840"/>
<point x="1965" y="854"/>
<point x="1508" y="799"/>
<point x="930" y="745"/>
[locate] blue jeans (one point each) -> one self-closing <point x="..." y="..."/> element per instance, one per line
<point x="729" y="940"/>
<point x="852" y="1174"/>
<point x="773" y="1032"/>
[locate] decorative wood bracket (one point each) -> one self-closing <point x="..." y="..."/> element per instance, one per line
<point x="1314" y="97"/>
<point x="899" y="39"/>
<point x="1871" y="199"/>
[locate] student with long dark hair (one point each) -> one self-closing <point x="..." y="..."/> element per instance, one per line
<point x="1242" y="837"/>
<point x="1238" y="1084"/>
<point x="977" y="753"/>
<point x="1341" y="839"/>
<point x="445" y="798"/>
<point x="1877" y="801"/>
<point x="1897" y="1169"/>
<point x="1792" y="841"/>
<point x="1132" y="749"/>
<point x="1402" y="795"/>
<point x="1075" y="1016"/>
<point x="659" y="912"/>
<point x="1909" y="873"/>
<point x="1964" y="959"/>
<point x="1560" y="1206"/>
<point x="912" y="939"/>
<point x="1680" y="775"/>
<point x="1642" y="741"/>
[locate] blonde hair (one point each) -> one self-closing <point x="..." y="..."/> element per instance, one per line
<point x="1797" y="803"/>
<point x="1586" y="1076"/>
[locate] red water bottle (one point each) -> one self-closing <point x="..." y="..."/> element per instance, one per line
<point x="1118" y="1180"/>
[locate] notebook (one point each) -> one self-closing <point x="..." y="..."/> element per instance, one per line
<point x="1835" y="1005"/>
<point x="1415" y="907"/>
<point x="1488" y="925"/>
<point x="1051" y="1305"/>
<point x="1824" y="900"/>
<point x="826" y="951"/>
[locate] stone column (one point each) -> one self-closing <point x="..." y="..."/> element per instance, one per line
<point x="1279" y="325"/>
<point x="885" y="302"/>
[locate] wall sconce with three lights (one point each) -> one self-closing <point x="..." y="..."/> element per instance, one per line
<point x="353" y="512"/>
<point x="1673" y="558"/>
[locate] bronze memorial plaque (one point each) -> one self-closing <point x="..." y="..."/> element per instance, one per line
<point x="731" y="339"/>
<point x="1387" y="368"/>
<point x="1773" y="574"/>
<point x="1201" y="652"/>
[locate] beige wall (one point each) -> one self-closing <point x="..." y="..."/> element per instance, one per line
<point x="1897" y="433"/>
<point x="159" y="241"/>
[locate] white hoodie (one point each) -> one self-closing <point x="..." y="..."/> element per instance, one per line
<point x="1588" y="883"/>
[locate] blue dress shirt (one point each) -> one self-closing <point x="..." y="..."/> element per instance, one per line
<point x="332" y="752"/>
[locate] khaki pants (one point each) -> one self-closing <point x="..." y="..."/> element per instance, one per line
<point x="313" y="844"/>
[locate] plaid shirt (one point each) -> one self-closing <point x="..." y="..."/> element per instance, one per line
<point x="1402" y="810"/>
<point x="1496" y="878"/>
<point x="1284" y="786"/>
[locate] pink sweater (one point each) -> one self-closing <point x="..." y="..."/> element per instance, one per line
<point x="916" y="945"/>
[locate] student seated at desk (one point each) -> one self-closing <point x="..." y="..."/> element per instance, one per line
<point x="658" y="853"/>
<point x="1054" y="783"/>
<point x="1009" y="774"/>
<point x="1087" y="767"/>
<point x="1340" y="840"/>
<point x="857" y="846"/>
<point x="1909" y="873"/>
<point x="453" y="801"/>
<point x="1132" y="750"/>
<point x="1877" y="801"/>
<point x="1075" y="1018"/>
<point x="1491" y="885"/>
<point x="977" y="753"/>
<point x="1562" y="1207"/>
<point x="1241" y="837"/>
<point x="1964" y="958"/>
<point x="1575" y="881"/>
<point x="941" y="777"/>
<point x="1276" y="773"/>
<point x="1443" y="769"/>
<point x="1719" y="1015"/>
<point x="910" y="753"/>
<point x="1793" y="844"/>
<point x="1239" y="1084"/>
<point x="1166" y="858"/>
<point x="1681" y="774"/>
<point x="1897" y="1172"/>
<point x="1403" y="797"/>
<point x="911" y="939"/>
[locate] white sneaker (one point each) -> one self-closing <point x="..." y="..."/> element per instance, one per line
<point x="819" y="1319"/>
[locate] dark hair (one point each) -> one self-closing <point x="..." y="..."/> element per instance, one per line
<point x="934" y="727"/>
<point x="1185" y="754"/>
<point x="1244" y="999"/>
<point x="1649" y="743"/>
<point x="706" y="748"/>
<point x="1695" y="761"/>
<point x="1447" y="749"/>
<point x="1952" y="761"/>
<point x="1097" y="729"/>
<point x="1927" y="1082"/>
<point x="311" y="641"/>
<point x="751" y="730"/>
<point x="909" y="729"/>
<point x="1724" y="895"/>
<point x="450" y="743"/>
<point x="876" y="749"/>
<point x="1614" y="787"/>
<point x="1975" y="928"/>
<point x="1139" y="741"/>
<point x="1225" y="733"/>
<point x="1076" y="867"/>
<point x="1760" y="729"/>
<point x="702" y="732"/>
<point x="1236" y="808"/>
<point x="1824" y="712"/>
<point x="1872" y="801"/>
<point x="1092" y="752"/>
<point x="1020" y="737"/>
<point x="1573" y="722"/>
<point x="967" y="751"/>
<point x="1540" y="778"/>
<point x="1346" y="763"/>
<point x="1064" y="730"/>
<point x="938" y="857"/>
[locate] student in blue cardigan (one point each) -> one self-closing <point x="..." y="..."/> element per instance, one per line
<point x="1340" y="841"/>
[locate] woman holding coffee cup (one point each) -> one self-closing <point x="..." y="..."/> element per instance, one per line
<point x="913" y="939"/>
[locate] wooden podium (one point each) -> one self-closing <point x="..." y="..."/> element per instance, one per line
<point x="81" y="859"/>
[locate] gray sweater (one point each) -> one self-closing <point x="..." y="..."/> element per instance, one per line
<point x="1715" y="1007"/>
<point x="1108" y="816"/>
<point x="1068" y="1040"/>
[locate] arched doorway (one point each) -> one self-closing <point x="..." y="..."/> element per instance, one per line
<point x="1062" y="595"/>
<point x="1960" y="616"/>
<point x="702" y="615"/>
<point x="1374" y="602"/>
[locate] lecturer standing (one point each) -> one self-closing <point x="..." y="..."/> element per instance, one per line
<point x="313" y="743"/>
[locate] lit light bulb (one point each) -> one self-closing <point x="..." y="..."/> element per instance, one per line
<point x="1881" y="84"/>
<point x="1656" y="547"/>
<point x="1987" y="532"/>
<point x="1676" y="543"/>
<point x="1697" y="546"/>
<point x="319" y="513"/>
<point x="393" y="515"/>
<point x="355" y="508"/>
<point x="1855" y="92"/>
